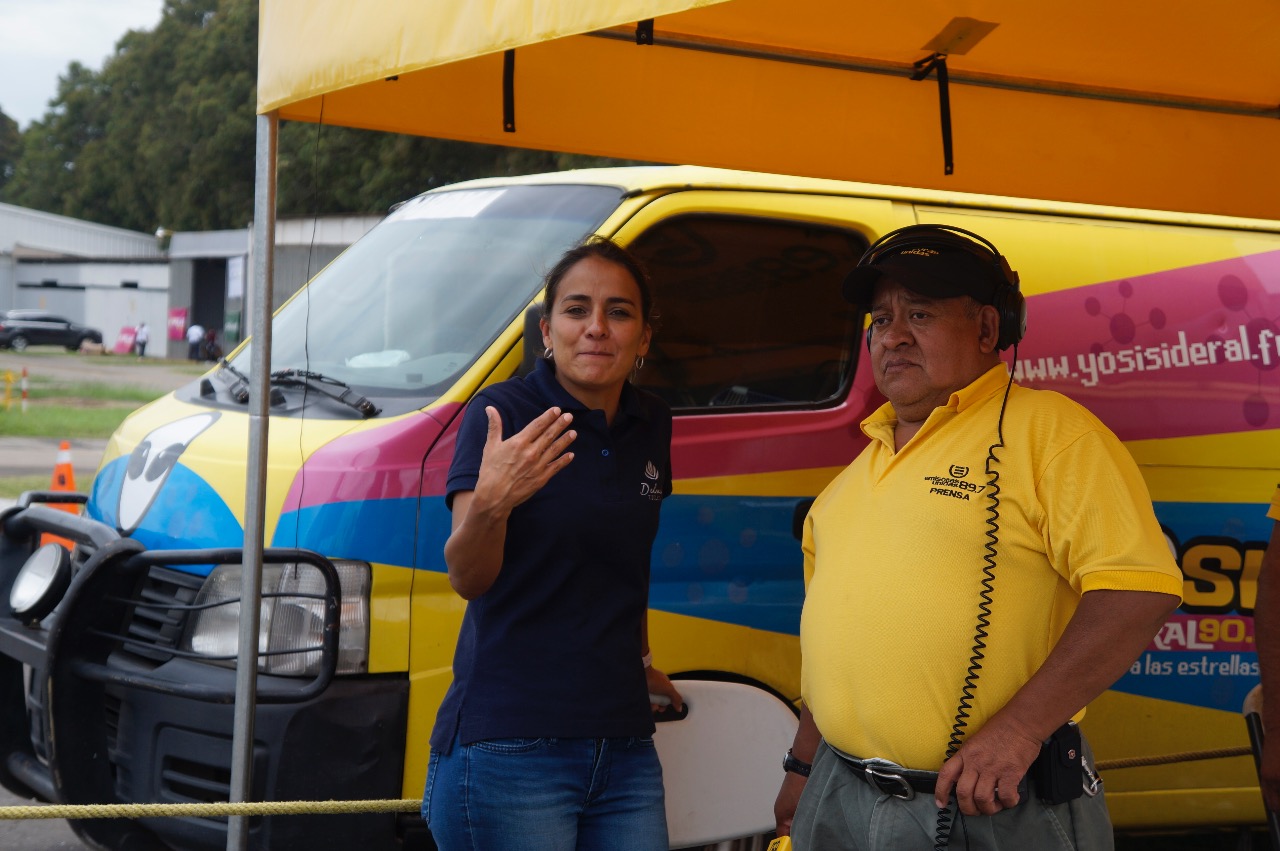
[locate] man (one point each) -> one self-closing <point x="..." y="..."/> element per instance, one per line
<point x="987" y="530"/>
<point x="1266" y="615"/>
<point x="195" y="341"/>
<point x="141" y="336"/>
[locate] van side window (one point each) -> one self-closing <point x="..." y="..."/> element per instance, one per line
<point x="749" y="312"/>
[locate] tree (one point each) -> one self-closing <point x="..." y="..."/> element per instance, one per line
<point x="10" y="147"/>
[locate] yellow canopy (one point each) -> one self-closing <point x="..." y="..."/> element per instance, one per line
<point x="1170" y="105"/>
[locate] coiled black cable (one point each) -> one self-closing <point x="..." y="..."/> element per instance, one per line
<point x="942" y="832"/>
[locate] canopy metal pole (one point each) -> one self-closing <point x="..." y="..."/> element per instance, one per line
<point x="970" y="78"/>
<point x="264" y="239"/>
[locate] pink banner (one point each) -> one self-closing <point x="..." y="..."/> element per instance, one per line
<point x="124" y="341"/>
<point x="1184" y="352"/>
<point x="177" y="323"/>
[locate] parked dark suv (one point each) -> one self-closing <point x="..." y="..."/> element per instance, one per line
<point x="22" y="328"/>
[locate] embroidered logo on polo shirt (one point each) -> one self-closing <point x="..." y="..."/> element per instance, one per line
<point x="650" y="488"/>
<point x="954" y="484"/>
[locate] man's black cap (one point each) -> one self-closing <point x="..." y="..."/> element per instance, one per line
<point x="935" y="269"/>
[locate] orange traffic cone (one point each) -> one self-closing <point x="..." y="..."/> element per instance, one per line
<point x="64" y="475"/>
<point x="64" y="480"/>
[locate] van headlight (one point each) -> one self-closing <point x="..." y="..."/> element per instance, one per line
<point x="291" y="625"/>
<point x="41" y="583"/>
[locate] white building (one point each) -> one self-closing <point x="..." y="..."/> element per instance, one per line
<point x="113" y="279"/>
<point x="105" y="277"/>
<point x="210" y="270"/>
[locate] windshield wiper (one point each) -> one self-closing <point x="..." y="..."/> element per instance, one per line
<point x="323" y="384"/>
<point x="239" y="385"/>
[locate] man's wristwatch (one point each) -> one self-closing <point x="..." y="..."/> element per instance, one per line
<point x="795" y="766"/>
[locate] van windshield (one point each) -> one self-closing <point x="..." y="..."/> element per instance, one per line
<point x="408" y="308"/>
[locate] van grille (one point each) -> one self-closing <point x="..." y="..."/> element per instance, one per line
<point x="195" y="782"/>
<point x="155" y="625"/>
<point x="36" y="715"/>
<point x="191" y="782"/>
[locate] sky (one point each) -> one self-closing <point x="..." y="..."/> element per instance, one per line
<point x="40" y="38"/>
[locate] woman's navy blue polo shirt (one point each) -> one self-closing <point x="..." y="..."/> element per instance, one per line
<point x="553" y="647"/>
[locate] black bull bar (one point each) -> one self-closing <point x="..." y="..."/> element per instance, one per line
<point x="68" y="654"/>
<point x="84" y="629"/>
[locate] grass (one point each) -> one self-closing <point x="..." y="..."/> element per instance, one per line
<point x="75" y="409"/>
<point x="69" y="410"/>
<point x="66" y="421"/>
<point x="44" y="388"/>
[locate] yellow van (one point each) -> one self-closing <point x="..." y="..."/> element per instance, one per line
<point x="117" y="664"/>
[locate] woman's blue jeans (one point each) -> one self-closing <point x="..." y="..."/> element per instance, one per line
<point x="547" y="795"/>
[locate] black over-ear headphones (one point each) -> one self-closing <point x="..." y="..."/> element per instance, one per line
<point x="1007" y="298"/>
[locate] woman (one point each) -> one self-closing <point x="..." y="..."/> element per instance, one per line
<point x="544" y="739"/>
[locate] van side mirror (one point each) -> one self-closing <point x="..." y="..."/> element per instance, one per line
<point x="533" y="347"/>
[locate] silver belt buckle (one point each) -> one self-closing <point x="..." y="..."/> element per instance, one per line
<point x="877" y="769"/>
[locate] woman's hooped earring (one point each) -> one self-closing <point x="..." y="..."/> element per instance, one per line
<point x="639" y="363"/>
<point x="547" y="353"/>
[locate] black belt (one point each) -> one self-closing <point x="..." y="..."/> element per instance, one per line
<point x="890" y="778"/>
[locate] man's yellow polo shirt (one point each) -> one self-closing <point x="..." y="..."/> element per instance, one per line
<point x="894" y="551"/>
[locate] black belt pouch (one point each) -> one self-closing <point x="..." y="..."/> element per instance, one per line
<point x="1058" y="772"/>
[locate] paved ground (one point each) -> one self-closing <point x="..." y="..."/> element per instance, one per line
<point x="34" y="456"/>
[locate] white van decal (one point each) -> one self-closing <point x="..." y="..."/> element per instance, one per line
<point x="150" y="464"/>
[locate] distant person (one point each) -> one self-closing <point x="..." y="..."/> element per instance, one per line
<point x="141" y="336"/>
<point x="195" y="338"/>
<point x="211" y="350"/>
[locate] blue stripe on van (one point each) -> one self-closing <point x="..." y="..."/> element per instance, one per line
<point x="184" y="514"/>
<point x="1243" y="521"/>
<point x="730" y="559"/>
<point x="726" y="558"/>
<point x="1212" y="679"/>
<point x="373" y="530"/>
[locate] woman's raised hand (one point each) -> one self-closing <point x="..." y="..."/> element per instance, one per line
<point x="514" y="469"/>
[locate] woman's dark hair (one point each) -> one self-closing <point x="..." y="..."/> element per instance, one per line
<point x="605" y="249"/>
